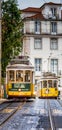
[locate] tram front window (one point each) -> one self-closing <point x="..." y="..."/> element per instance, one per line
<point x="55" y="83"/>
<point x="44" y="84"/>
<point x="19" y="75"/>
<point x="27" y="76"/>
<point x="49" y="83"/>
<point x="11" y="75"/>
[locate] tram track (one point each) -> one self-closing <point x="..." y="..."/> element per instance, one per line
<point x="7" y="112"/>
<point x="4" y="105"/>
<point x="41" y="114"/>
<point x="52" y="123"/>
<point x="55" y="114"/>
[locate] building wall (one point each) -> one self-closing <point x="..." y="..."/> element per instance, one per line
<point x="45" y="53"/>
<point x="59" y="27"/>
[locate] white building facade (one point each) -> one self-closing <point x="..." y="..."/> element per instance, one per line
<point x="42" y="40"/>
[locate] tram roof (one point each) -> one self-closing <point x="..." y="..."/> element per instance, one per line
<point x="48" y="78"/>
<point x="20" y="67"/>
<point x="20" y="63"/>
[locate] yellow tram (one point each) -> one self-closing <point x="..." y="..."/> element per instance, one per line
<point x="48" y="86"/>
<point x="20" y="79"/>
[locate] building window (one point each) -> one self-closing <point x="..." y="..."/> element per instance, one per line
<point x="53" y="27"/>
<point x="54" y="65"/>
<point x="54" y="44"/>
<point x="37" y="27"/>
<point x="37" y="43"/>
<point x="38" y="63"/>
<point x="53" y="10"/>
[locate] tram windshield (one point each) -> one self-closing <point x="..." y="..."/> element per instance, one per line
<point x="44" y="84"/>
<point x="19" y="75"/>
<point x="55" y="83"/>
<point x="11" y="75"/>
<point x="49" y="83"/>
<point x="27" y="76"/>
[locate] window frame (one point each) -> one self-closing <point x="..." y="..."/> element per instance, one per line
<point x="54" y="66"/>
<point x="37" y="26"/>
<point x="54" y="44"/>
<point x="39" y="42"/>
<point x="54" y="11"/>
<point x="53" y="27"/>
<point x="38" y="64"/>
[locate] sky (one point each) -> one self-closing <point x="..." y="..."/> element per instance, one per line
<point x="34" y="3"/>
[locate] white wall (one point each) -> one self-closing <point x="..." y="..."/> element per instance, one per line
<point x="59" y="27"/>
<point x="43" y="53"/>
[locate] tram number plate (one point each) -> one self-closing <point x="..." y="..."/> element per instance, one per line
<point x="47" y="91"/>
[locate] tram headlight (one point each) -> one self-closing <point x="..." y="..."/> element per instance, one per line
<point x="34" y="93"/>
<point x="19" y="89"/>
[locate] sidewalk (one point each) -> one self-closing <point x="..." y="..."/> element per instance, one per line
<point x="2" y="100"/>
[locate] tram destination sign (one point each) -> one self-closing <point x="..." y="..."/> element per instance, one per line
<point x="23" y="87"/>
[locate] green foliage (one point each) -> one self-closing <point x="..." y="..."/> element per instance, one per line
<point x="11" y="31"/>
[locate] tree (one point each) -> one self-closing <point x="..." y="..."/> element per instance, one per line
<point x="11" y="31"/>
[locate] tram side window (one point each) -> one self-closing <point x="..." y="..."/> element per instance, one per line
<point x="27" y="76"/>
<point x="11" y="75"/>
<point x="44" y="84"/>
<point x="55" y="83"/>
<point x="19" y="75"/>
<point x="49" y="83"/>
